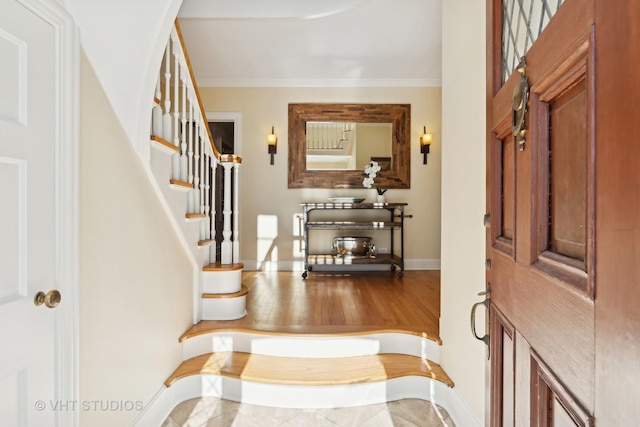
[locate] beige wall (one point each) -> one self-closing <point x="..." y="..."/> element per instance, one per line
<point x="135" y="279"/>
<point x="463" y="195"/>
<point x="263" y="188"/>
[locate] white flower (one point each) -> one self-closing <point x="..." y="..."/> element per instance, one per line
<point x="367" y="182"/>
<point x="371" y="172"/>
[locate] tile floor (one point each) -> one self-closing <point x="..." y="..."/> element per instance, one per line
<point x="215" y="412"/>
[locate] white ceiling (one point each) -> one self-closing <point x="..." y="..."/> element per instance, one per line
<point x="313" y="42"/>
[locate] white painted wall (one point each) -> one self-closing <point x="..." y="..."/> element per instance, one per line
<point x="263" y="188"/>
<point x="124" y="41"/>
<point x="135" y="277"/>
<point x="463" y="195"/>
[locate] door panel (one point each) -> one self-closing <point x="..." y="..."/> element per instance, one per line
<point x="508" y="190"/>
<point x="30" y="100"/>
<point x="568" y="173"/>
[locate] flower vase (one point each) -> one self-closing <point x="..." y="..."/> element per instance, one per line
<point x="380" y="198"/>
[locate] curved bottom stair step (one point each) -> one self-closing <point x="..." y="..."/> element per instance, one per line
<point x="309" y="371"/>
<point x="225" y="306"/>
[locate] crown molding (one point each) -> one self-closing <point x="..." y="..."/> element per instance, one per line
<point x="320" y="83"/>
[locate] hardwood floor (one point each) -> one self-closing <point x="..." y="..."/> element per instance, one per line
<point x="337" y="303"/>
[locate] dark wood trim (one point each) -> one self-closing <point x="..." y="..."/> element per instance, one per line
<point x="499" y="325"/>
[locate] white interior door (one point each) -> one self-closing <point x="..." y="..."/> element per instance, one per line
<point x="31" y="194"/>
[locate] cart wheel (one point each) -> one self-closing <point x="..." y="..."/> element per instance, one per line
<point x="310" y="268"/>
<point x="400" y="274"/>
<point x="304" y="275"/>
<point x="393" y="267"/>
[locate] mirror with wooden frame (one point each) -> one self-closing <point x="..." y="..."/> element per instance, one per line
<point x="396" y="171"/>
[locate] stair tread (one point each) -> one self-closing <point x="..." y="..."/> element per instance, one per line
<point x="217" y="266"/>
<point x="243" y="291"/>
<point x="205" y="242"/>
<point x="309" y="371"/>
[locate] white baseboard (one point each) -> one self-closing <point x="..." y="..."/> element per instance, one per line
<point x="296" y="265"/>
<point x="460" y="412"/>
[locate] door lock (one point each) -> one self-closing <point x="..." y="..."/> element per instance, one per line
<point x="486" y="303"/>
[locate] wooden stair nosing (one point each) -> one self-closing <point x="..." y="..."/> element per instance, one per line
<point x="206" y="242"/>
<point x="309" y="371"/>
<point x="217" y="266"/>
<point x="194" y="216"/>
<point x="180" y="185"/>
<point x="164" y="144"/>
<point x="242" y="292"/>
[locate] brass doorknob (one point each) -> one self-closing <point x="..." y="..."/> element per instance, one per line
<point x="51" y="299"/>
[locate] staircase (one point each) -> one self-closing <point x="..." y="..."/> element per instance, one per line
<point x="184" y="162"/>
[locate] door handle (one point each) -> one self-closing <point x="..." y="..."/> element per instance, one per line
<point x="51" y="299"/>
<point x="486" y="303"/>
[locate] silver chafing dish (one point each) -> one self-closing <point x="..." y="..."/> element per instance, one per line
<point x="353" y="246"/>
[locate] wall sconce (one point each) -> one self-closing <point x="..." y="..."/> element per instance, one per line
<point x="272" y="141"/>
<point x="425" y="143"/>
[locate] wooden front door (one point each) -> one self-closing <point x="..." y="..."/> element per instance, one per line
<point x="563" y="239"/>
<point x="541" y="234"/>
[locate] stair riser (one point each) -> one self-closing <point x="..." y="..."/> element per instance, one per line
<point x="224" y="308"/>
<point x="286" y="396"/>
<point x="221" y="282"/>
<point x="311" y="347"/>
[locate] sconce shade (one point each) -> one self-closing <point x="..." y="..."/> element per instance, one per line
<point x="272" y="143"/>
<point x="425" y="143"/>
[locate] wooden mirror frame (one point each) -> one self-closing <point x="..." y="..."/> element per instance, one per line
<point x="399" y="115"/>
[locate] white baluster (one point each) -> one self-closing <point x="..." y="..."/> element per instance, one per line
<point x="166" y="119"/>
<point x="236" y="213"/>
<point x="190" y="152"/>
<point x="212" y="183"/>
<point x="190" y="138"/>
<point x="196" y="160"/>
<point x="227" y="246"/>
<point x="207" y="186"/>
<point x="156" y="113"/>
<point x="205" y="222"/>
<point x="184" y="162"/>
<point x="200" y="165"/>
<point x="175" y="160"/>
